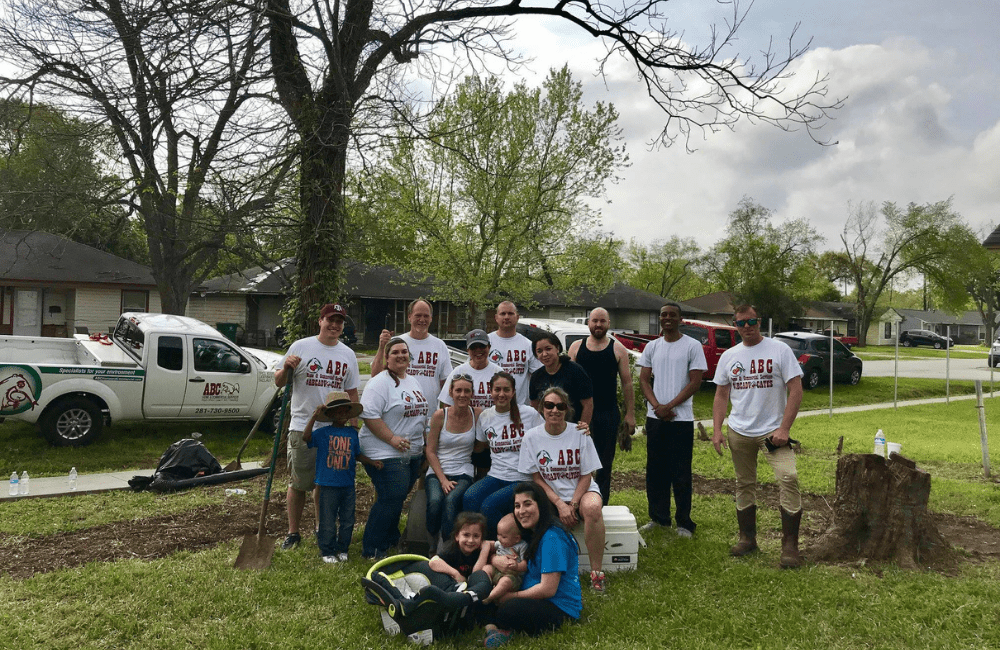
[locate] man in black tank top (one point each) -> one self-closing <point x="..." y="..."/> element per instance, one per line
<point x="605" y="360"/>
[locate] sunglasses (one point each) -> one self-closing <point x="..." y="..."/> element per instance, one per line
<point x="461" y="375"/>
<point x="559" y="406"/>
<point x="747" y="321"/>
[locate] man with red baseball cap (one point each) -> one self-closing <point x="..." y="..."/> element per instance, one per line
<point x="317" y="365"/>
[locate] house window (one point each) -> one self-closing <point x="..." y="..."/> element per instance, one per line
<point x="134" y="300"/>
<point x="888" y="330"/>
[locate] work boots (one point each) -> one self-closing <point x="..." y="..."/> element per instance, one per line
<point x="790" y="558"/>
<point x="747" y="519"/>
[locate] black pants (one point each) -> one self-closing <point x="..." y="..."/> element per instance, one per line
<point x="528" y="615"/>
<point x="669" y="449"/>
<point x="604" y="433"/>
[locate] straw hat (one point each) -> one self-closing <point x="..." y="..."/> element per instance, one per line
<point x="339" y="398"/>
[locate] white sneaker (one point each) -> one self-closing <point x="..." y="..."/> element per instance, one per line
<point x="650" y="525"/>
<point x="330" y="559"/>
<point x="684" y="532"/>
<point x="342" y="557"/>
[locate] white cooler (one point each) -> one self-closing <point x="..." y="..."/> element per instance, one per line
<point x="621" y="541"/>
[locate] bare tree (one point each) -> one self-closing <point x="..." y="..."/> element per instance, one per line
<point x="179" y="82"/>
<point x="333" y="62"/>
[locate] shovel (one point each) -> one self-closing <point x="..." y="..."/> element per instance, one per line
<point x="235" y="465"/>
<point x="256" y="550"/>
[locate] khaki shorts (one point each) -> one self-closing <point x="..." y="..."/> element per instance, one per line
<point x="514" y="578"/>
<point x="301" y="463"/>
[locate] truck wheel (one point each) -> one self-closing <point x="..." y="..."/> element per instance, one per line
<point x="273" y="418"/>
<point x="812" y="379"/>
<point x="72" y="422"/>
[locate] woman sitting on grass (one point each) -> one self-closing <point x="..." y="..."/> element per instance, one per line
<point x="550" y="593"/>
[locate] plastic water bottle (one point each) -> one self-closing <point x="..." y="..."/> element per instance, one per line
<point x="23" y="488"/>
<point x="407" y="454"/>
<point x="72" y="480"/>
<point x="879" y="443"/>
<point x="14" y="485"/>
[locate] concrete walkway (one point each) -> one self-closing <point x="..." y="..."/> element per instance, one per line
<point x="85" y="483"/>
<point x="93" y="483"/>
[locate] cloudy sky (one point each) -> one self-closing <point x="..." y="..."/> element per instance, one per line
<point x="921" y="122"/>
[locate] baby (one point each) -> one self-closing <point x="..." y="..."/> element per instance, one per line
<point x="508" y="560"/>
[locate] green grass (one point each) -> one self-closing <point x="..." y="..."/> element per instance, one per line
<point x="882" y="352"/>
<point x="133" y="445"/>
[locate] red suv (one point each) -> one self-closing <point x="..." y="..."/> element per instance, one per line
<point x="715" y="339"/>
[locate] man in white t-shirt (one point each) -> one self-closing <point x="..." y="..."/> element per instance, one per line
<point x="763" y="379"/>
<point x="318" y="365"/>
<point x="512" y="351"/>
<point x="671" y="372"/>
<point x="430" y="362"/>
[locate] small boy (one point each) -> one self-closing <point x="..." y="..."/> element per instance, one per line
<point x="508" y="560"/>
<point x="338" y="450"/>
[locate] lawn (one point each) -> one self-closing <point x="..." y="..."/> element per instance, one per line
<point x="882" y="352"/>
<point x="686" y="594"/>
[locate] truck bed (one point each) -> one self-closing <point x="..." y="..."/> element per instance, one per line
<point x="48" y="351"/>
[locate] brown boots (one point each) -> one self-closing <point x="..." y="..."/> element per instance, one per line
<point x="747" y="519"/>
<point x="790" y="558"/>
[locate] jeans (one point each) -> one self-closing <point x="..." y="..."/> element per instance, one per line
<point x="335" y="502"/>
<point x="669" y="450"/>
<point x="443" y="508"/>
<point x="492" y="497"/>
<point x="392" y="484"/>
<point x="604" y="433"/>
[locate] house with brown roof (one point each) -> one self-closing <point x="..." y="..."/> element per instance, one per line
<point x="52" y="286"/>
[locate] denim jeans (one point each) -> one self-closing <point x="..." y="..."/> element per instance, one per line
<point x="492" y="497"/>
<point x="669" y="450"/>
<point x="443" y="508"/>
<point x="392" y="484"/>
<point x="335" y="502"/>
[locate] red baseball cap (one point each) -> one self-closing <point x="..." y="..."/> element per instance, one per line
<point x="335" y="309"/>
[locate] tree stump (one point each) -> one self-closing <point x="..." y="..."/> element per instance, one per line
<point x="880" y="513"/>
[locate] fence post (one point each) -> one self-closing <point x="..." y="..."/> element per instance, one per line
<point x="982" y="429"/>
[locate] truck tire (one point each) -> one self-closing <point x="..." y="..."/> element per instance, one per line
<point x="271" y="421"/>
<point x="72" y="422"/>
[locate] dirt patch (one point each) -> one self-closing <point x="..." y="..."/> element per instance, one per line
<point x="208" y="526"/>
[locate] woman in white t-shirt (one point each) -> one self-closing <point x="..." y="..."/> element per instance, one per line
<point x="395" y="412"/>
<point x="449" y="457"/>
<point x="561" y="460"/>
<point x="500" y="428"/>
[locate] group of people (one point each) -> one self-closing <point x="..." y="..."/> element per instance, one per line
<point x="521" y="449"/>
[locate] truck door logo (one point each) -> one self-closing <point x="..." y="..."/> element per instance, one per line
<point x="224" y="391"/>
<point x="19" y="389"/>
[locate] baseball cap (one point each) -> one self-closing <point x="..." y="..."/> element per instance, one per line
<point x="335" y="309"/>
<point x="476" y="337"/>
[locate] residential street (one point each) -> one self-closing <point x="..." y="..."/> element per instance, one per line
<point x="933" y="369"/>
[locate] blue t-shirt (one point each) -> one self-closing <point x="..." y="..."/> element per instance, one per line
<point x="337" y="450"/>
<point x="558" y="553"/>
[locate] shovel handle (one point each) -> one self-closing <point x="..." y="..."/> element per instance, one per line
<point x="285" y="400"/>
<point x="256" y="425"/>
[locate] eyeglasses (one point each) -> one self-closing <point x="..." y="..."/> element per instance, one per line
<point x="747" y="321"/>
<point x="559" y="406"/>
<point x="461" y="375"/>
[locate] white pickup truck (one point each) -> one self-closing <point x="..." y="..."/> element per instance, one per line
<point x="154" y="367"/>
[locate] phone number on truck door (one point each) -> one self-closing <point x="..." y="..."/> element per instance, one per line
<point x="216" y="411"/>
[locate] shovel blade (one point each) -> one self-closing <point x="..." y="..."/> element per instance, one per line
<point x="233" y="466"/>
<point x="255" y="552"/>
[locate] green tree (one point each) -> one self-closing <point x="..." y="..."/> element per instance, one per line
<point x="884" y="244"/>
<point x="339" y="74"/>
<point x="496" y="194"/>
<point x="52" y="178"/>
<point x="667" y="267"/>
<point x="764" y="264"/>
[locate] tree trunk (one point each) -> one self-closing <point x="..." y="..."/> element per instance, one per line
<point x="880" y="514"/>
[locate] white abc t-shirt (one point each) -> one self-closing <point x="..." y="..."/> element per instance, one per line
<point x="757" y="376"/>
<point x="514" y="355"/>
<point x="403" y="408"/>
<point x="323" y="369"/>
<point x="504" y="438"/>
<point x="430" y="363"/>
<point x="481" y="381"/>
<point x="561" y="460"/>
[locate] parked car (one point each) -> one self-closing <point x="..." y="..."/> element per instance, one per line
<point x="843" y="338"/>
<point x="913" y="338"/>
<point x="813" y="353"/>
<point x="994" y="357"/>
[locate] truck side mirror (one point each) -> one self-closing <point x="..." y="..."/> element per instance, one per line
<point x="244" y="366"/>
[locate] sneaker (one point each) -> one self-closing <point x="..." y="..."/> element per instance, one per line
<point x="497" y="638"/>
<point x="342" y="557"/>
<point x="331" y="559"/>
<point x="684" y="532"/>
<point x="650" y="526"/>
<point x="597" y="580"/>
<point x="291" y="541"/>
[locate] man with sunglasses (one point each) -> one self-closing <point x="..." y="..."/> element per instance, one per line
<point x="671" y="371"/>
<point x="763" y="380"/>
